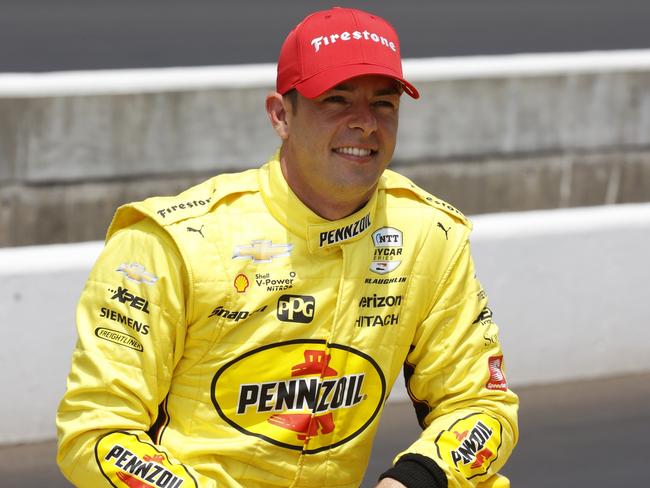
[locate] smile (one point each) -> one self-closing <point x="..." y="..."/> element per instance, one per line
<point x="354" y="151"/>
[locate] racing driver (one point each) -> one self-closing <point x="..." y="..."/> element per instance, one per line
<point x="247" y="332"/>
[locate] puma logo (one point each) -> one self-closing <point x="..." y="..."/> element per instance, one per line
<point x="444" y="230"/>
<point x="200" y="231"/>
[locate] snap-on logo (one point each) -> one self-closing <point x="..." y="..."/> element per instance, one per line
<point x="304" y="395"/>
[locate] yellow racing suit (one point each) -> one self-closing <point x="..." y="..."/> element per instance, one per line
<point x="230" y="337"/>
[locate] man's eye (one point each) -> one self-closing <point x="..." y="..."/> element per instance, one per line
<point x="384" y="103"/>
<point x="335" y="99"/>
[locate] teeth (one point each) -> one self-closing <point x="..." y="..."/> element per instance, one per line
<point x="354" y="151"/>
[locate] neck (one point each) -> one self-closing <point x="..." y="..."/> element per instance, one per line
<point x="324" y="202"/>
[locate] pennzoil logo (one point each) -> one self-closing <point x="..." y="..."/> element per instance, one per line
<point x="388" y="242"/>
<point x="471" y="444"/>
<point x="262" y="251"/>
<point x="304" y="395"/>
<point x="126" y="461"/>
<point x="342" y="234"/>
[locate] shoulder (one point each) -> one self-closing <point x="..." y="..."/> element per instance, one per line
<point x="191" y="203"/>
<point x="402" y="188"/>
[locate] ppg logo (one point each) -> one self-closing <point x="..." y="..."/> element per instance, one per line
<point x="296" y="308"/>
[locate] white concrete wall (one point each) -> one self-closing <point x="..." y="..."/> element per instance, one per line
<point x="72" y="126"/>
<point x="569" y="289"/>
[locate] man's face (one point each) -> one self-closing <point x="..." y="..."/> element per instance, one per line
<point x="338" y="144"/>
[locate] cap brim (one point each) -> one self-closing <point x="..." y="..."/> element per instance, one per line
<point x="325" y="80"/>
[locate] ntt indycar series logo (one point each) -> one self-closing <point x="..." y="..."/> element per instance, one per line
<point x="388" y="242"/>
<point x="304" y="395"/>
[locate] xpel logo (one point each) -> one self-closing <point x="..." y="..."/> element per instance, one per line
<point x="296" y="308"/>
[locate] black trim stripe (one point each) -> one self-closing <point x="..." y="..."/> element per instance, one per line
<point x="422" y="407"/>
<point x="156" y="430"/>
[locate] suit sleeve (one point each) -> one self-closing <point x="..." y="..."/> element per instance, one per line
<point x="455" y="377"/>
<point x="131" y="332"/>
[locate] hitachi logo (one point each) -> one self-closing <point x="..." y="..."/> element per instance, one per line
<point x="344" y="233"/>
<point x="299" y="394"/>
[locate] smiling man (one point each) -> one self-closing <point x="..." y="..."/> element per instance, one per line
<point x="274" y="335"/>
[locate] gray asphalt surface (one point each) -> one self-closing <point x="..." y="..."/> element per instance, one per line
<point x="42" y="35"/>
<point x="591" y="434"/>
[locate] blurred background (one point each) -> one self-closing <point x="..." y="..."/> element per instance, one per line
<point x="534" y="120"/>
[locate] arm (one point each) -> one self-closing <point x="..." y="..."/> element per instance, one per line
<point x="454" y="375"/>
<point x="131" y="328"/>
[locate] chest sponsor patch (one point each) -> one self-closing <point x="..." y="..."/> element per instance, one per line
<point x="471" y="444"/>
<point x="262" y="251"/>
<point x="304" y="395"/>
<point x="241" y="283"/>
<point x="137" y="272"/>
<point x="388" y="242"/>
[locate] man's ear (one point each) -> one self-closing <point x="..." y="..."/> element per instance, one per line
<point x="278" y="110"/>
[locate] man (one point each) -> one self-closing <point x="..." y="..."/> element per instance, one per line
<point x="247" y="332"/>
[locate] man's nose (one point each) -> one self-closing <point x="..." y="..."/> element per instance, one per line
<point x="363" y="118"/>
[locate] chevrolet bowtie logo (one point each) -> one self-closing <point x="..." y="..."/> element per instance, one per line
<point x="262" y="251"/>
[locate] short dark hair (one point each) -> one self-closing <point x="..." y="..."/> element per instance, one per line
<point x="292" y="95"/>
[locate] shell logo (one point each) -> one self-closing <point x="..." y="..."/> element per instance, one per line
<point x="241" y="283"/>
<point x="304" y="395"/>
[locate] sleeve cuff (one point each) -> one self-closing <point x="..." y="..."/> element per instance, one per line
<point x="417" y="471"/>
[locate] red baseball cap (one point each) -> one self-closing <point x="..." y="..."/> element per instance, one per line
<point x="332" y="46"/>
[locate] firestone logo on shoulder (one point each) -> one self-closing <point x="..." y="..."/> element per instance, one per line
<point x="164" y="212"/>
